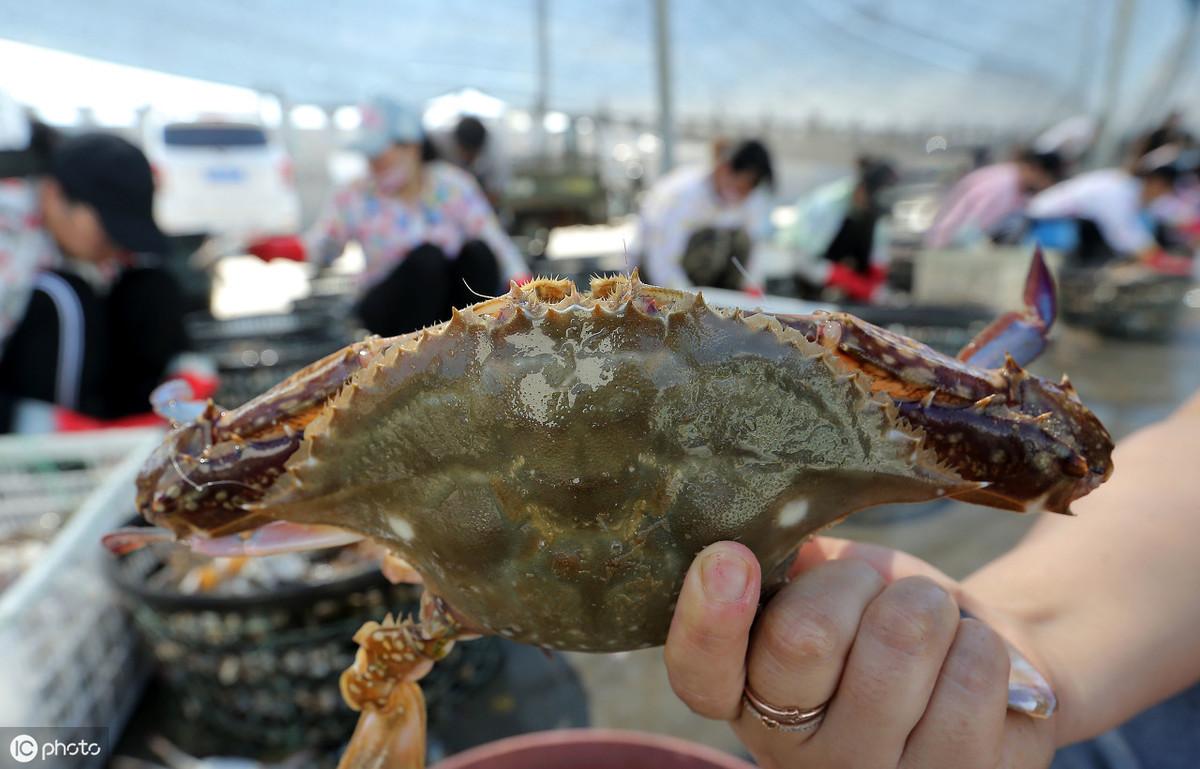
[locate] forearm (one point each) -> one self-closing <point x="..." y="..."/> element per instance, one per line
<point x="1106" y="602"/>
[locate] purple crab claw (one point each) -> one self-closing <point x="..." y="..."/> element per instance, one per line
<point x="173" y="400"/>
<point x="1019" y="334"/>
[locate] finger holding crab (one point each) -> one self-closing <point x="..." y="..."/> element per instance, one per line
<point x="864" y="659"/>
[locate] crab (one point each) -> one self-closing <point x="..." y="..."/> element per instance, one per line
<point x="548" y="463"/>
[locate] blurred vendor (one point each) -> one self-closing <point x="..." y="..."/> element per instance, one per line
<point x="471" y="147"/>
<point x="990" y="202"/>
<point x="429" y="237"/>
<point x="25" y="247"/>
<point x="103" y="327"/>
<point x="1116" y="212"/>
<point x="839" y="240"/>
<point x="697" y="220"/>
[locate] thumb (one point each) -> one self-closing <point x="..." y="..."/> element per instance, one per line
<point x="891" y="564"/>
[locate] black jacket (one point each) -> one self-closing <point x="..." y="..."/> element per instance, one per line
<point x="97" y="354"/>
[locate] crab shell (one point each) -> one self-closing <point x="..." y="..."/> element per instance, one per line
<point x="550" y="462"/>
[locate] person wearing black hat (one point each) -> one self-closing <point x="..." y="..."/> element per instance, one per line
<point x="105" y="327"/>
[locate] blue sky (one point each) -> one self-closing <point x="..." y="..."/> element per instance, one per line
<point x="910" y="62"/>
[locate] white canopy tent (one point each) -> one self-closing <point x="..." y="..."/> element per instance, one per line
<point x="1020" y="64"/>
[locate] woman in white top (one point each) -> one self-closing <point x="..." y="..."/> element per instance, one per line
<point x="690" y="219"/>
<point x="1117" y="210"/>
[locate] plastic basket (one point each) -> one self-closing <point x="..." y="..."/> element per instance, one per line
<point x="69" y="655"/>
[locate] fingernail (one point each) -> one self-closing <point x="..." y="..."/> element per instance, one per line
<point x="724" y="577"/>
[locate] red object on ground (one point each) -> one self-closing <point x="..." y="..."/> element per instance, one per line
<point x="855" y="285"/>
<point x="280" y="247"/>
<point x="1168" y="264"/>
<point x="592" y="749"/>
<point x="1191" y="228"/>
<point x="204" y="386"/>
<point x="67" y="421"/>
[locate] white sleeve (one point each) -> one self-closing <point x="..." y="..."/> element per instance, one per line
<point x="663" y="233"/>
<point x="1115" y="214"/>
<point x="662" y="243"/>
<point x="1067" y="199"/>
<point x="1125" y="231"/>
<point x="758" y="215"/>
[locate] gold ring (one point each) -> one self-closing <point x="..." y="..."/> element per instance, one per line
<point x="784" y="719"/>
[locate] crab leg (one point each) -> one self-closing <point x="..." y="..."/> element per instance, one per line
<point x="1019" y="334"/>
<point x="908" y="370"/>
<point x="296" y="400"/>
<point x="270" y="539"/>
<point x="382" y="685"/>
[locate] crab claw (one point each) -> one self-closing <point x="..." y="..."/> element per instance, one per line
<point x="172" y="400"/>
<point x="1019" y="334"/>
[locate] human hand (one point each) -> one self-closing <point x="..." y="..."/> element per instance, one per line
<point x="874" y="633"/>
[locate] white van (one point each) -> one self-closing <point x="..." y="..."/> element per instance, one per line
<point x="220" y="178"/>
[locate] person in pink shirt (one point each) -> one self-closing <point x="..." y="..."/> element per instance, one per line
<point x="986" y="200"/>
